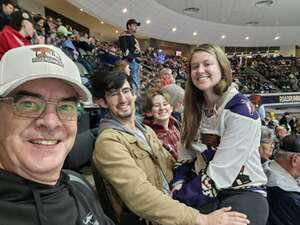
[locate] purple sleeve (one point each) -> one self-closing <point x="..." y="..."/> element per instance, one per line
<point x="183" y="172"/>
<point x="208" y="154"/>
<point x="193" y="194"/>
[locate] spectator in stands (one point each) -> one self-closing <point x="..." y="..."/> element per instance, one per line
<point x="221" y="131"/>
<point x="283" y="183"/>
<point x="266" y="144"/>
<point x="273" y="122"/>
<point x="39" y="109"/>
<point x="122" y="66"/>
<point x="132" y="51"/>
<point x="284" y="120"/>
<point x="157" y="107"/>
<point x="256" y="101"/>
<point x="176" y="94"/>
<point x="293" y="124"/>
<point x="81" y="44"/>
<point x="17" y="33"/>
<point x="39" y="26"/>
<point x="65" y="42"/>
<point x="109" y="57"/>
<point x="166" y="77"/>
<point x="50" y="30"/>
<point x="280" y="132"/>
<point x="6" y="9"/>
<point x="136" y="166"/>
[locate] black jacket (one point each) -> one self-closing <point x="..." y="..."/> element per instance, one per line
<point x="129" y="46"/>
<point x="284" y="207"/>
<point x="4" y="20"/>
<point x="29" y="203"/>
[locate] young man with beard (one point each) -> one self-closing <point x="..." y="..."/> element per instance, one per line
<point x="136" y="167"/>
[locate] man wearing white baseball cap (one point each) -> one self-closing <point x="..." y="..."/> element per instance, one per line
<point x="40" y="91"/>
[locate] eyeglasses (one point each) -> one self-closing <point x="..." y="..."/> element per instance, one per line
<point x="269" y="142"/>
<point x="127" y="91"/>
<point x="34" y="107"/>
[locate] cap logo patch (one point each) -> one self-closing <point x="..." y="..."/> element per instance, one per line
<point x="48" y="55"/>
<point x="25" y="15"/>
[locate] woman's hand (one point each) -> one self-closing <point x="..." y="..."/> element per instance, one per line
<point x="211" y="140"/>
<point x="223" y="216"/>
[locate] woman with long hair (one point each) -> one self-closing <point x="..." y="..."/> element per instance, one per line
<point x="221" y="132"/>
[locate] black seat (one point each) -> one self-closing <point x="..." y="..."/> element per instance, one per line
<point x="81" y="153"/>
<point x="127" y="217"/>
<point x="105" y="198"/>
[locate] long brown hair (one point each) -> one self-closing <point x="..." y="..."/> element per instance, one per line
<point x="193" y="99"/>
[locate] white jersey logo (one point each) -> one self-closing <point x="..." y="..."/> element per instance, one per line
<point x="90" y="219"/>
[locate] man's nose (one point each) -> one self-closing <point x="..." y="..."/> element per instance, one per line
<point x="50" y="118"/>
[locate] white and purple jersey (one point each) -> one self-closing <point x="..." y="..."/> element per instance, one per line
<point x="236" y="163"/>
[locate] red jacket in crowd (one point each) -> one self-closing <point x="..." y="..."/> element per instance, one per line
<point x="10" y="38"/>
<point x="170" y="137"/>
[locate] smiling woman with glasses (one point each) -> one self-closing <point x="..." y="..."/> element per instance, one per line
<point x="30" y="105"/>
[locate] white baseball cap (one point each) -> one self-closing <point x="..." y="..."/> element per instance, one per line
<point x="32" y="62"/>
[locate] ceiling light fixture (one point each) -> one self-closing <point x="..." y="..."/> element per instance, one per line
<point x="148" y="21"/>
<point x="276" y="38"/>
<point x="264" y="3"/>
<point x="174" y="29"/>
<point x="247" y="38"/>
<point x="117" y="31"/>
<point x="191" y="10"/>
<point x="195" y="33"/>
<point x="223" y="36"/>
<point x="252" y="23"/>
<point x="124" y="10"/>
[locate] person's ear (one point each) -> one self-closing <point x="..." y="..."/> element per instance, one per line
<point x="23" y="24"/>
<point x="101" y="102"/>
<point x="294" y="160"/>
<point x="134" y="96"/>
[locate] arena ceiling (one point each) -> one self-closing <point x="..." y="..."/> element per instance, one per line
<point x="226" y="22"/>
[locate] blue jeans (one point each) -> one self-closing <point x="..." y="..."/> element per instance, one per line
<point x="135" y="68"/>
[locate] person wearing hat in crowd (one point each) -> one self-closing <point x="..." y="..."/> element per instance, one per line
<point x="6" y="9"/>
<point x="283" y="183"/>
<point x="40" y="92"/>
<point x="284" y="121"/>
<point x="130" y="47"/>
<point x="63" y="31"/>
<point x="18" y="33"/>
